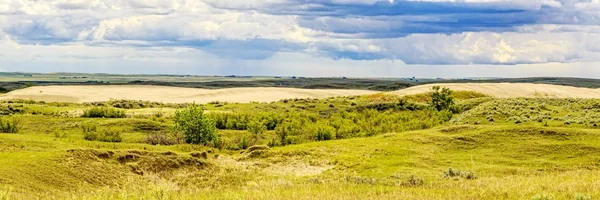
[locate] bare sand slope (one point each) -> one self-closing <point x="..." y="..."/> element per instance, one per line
<point x="508" y="90"/>
<point x="79" y="94"/>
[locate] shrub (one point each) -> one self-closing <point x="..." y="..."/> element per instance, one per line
<point x="91" y="133"/>
<point x="58" y="134"/>
<point x="451" y="173"/>
<point x="110" y="135"/>
<point x="324" y="132"/>
<point x="196" y="127"/>
<point x="257" y="128"/>
<point x="91" y="136"/>
<point x="243" y="144"/>
<point x="286" y="129"/>
<point x="103" y="112"/>
<point x="413" y="181"/>
<point x="441" y="98"/>
<point x="272" y="143"/>
<point x="164" y="138"/>
<point x="10" y="126"/>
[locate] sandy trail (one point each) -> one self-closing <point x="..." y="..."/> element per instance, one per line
<point x="80" y="94"/>
<point x="511" y="90"/>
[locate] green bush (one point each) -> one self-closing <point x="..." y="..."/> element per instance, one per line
<point x="91" y="136"/>
<point x="103" y="112"/>
<point x="10" y="126"/>
<point x="196" y="127"/>
<point x="441" y="98"/>
<point x="110" y="135"/>
<point x="324" y="132"/>
<point x="91" y="133"/>
<point x="243" y="144"/>
<point x="257" y="128"/>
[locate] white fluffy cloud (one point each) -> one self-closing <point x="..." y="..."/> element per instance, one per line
<point x="250" y="33"/>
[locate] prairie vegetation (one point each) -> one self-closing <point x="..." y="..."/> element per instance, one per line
<point x="437" y="145"/>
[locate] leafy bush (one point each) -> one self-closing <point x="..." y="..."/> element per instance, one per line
<point x="10" y="126"/>
<point x="91" y="136"/>
<point x="441" y="98"/>
<point x="110" y="135"/>
<point x="257" y="128"/>
<point x="91" y="133"/>
<point x="103" y="112"/>
<point x="196" y="127"/>
<point x="324" y="132"/>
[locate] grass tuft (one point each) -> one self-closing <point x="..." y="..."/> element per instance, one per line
<point x="10" y="125"/>
<point x="103" y="112"/>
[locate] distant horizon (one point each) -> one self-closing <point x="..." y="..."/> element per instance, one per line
<point x="286" y="76"/>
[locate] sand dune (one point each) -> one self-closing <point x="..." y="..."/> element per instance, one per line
<point x="79" y="94"/>
<point x="508" y="90"/>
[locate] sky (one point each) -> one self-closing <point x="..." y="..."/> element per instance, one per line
<point x="358" y="38"/>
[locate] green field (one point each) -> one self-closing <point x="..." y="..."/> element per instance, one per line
<point x="364" y="147"/>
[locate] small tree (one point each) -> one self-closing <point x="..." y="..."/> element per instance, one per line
<point x="196" y="127"/>
<point x="441" y="98"/>
<point x="257" y="128"/>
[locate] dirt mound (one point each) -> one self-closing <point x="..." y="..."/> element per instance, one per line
<point x="95" y="93"/>
<point x="140" y="162"/>
<point x="510" y="90"/>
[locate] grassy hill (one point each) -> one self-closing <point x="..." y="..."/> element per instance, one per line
<point x="382" y="147"/>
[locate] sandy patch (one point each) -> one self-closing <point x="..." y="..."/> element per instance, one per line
<point x="511" y="90"/>
<point x="80" y="94"/>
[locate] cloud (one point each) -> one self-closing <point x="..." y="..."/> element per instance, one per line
<point x="244" y="33"/>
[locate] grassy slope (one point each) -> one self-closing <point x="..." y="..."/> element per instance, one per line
<point x="511" y="161"/>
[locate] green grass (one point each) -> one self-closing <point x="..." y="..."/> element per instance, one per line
<point x="583" y="113"/>
<point x="50" y="159"/>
